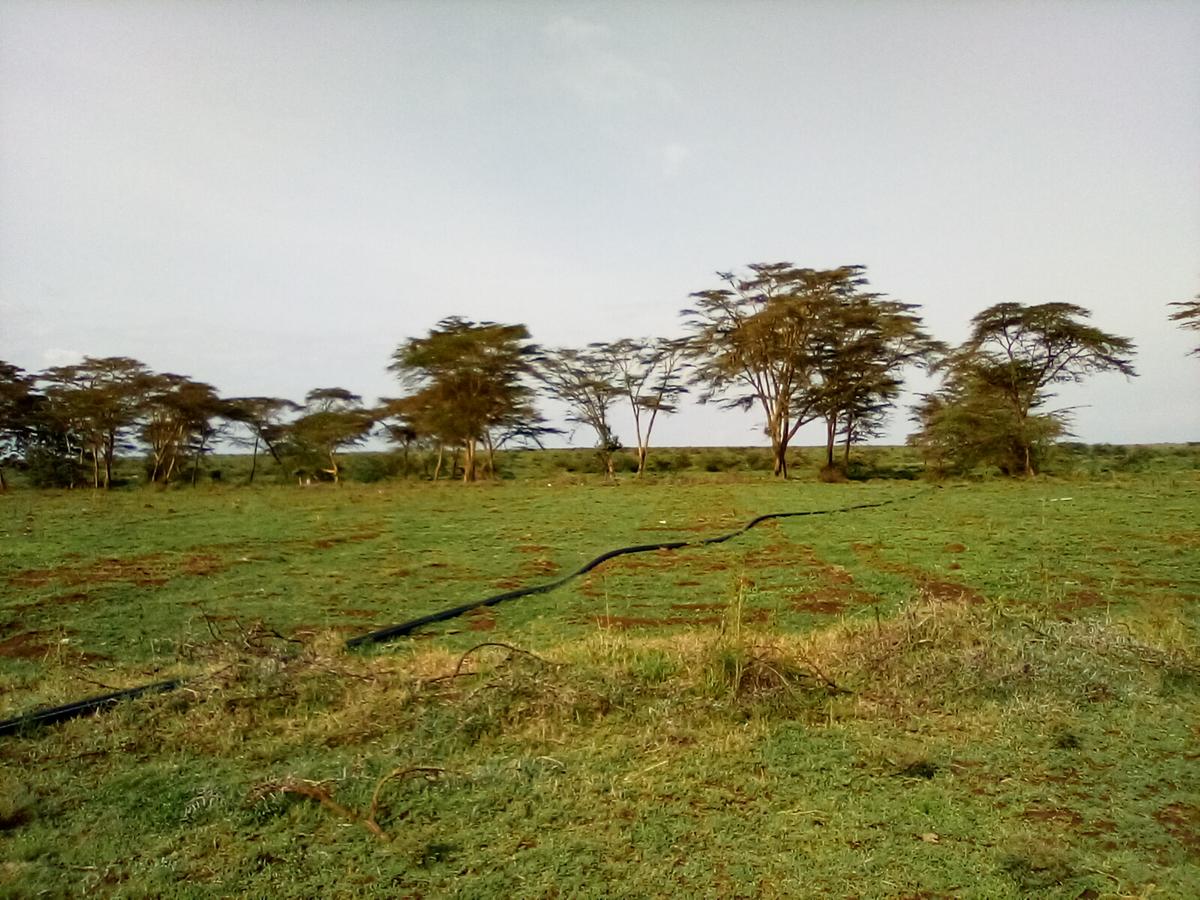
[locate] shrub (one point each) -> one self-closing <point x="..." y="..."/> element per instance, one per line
<point x="718" y="461"/>
<point x="47" y="469"/>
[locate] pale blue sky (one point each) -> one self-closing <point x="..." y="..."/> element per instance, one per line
<point x="271" y="196"/>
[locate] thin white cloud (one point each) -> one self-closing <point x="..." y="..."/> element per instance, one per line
<point x="671" y="157"/>
<point x="570" y="30"/>
<point x="590" y="69"/>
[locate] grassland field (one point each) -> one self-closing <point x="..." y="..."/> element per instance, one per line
<point x="986" y="688"/>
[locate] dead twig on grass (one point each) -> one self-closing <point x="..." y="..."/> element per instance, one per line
<point x="462" y="660"/>
<point x="430" y="772"/>
<point x="825" y="679"/>
<point x="317" y="790"/>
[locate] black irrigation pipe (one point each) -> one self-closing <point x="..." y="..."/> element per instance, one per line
<point x="56" y="714"/>
<point x="406" y="628"/>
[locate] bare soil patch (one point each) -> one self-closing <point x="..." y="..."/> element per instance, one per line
<point x="929" y="584"/>
<point x="1084" y="598"/>
<point x="150" y="570"/>
<point x="1057" y="814"/>
<point x="949" y="591"/>
<point x="625" y="622"/>
<point x="1182" y="822"/>
<point x="39" y="644"/>
<point x="481" y="619"/>
<point x="324" y="543"/>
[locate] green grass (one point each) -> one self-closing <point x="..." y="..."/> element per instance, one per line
<point x="989" y="690"/>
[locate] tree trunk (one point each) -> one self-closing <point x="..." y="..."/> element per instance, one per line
<point x="641" y="458"/>
<point x="830" y="439"/>
<point x="846" y="446"/>
<point x="3" y="483"/>
<point x="109" y="451"/>
<point x="437" y="470"/>
<point x="468" y="460"/>
<point x="333" y="467"/>
<point x="196" y="461"/>
<point x="779" y="451"/>
<point x="253" y="462"/>
<point x="491" y="456"/>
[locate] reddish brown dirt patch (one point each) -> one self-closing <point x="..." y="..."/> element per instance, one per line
<point x="36" y="645"/>
<point x="69" y="599"/>
<point x="31" y="578"/>
<point x="481" y="619"/>
<point x="311" y="630"/>
<point x="833" y="598"/>
<point x="624" y="622"/>
<point x="687" y="582"/>
<point x="955" y="548"/>
<point x="532" y="548"/>
<point x="820" y="607"/>
<point x="540" y="566"/>
<point x="201" y="564"/>
<point x="151" y="570"/>
<point x="1084" y="598"/>
<point x="589" y="588"/>
<point x="1058" y="815"/>
<point x="700" y="606"/>
<point x="29" y="645"/>
<point x="1182" y="822"/>
<point x="949" y="591"/>
<point x="511" y="583"/>
<point x="655" y="560"/>
<point x="326" y="542"/>
<point x="932" y="587"/>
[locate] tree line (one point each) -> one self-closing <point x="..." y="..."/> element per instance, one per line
<point x="798" y="345"/>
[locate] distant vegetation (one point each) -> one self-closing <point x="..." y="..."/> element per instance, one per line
<point x="796" y="345"/>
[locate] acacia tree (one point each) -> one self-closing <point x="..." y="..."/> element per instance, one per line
<point x="999" y="379"/>
<point x="1188" y="316"/>
<point x="263" y="417"/>
<point x="180" y="418"/>
<point x="586" y="381"/>
<point x="762" y="340"/>
<point x="867" y="341"/>
<point x="469" y="383"/>
<point x="334" y="419"/>
<point x="98" y="403"/>
<point x="968" y="423"/>
<point x="399" y="425"/>
<point x="17" y="401"/>
<point x="649" y="374"/>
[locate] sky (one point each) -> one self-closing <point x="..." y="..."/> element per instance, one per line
<point x="272" y="196"/>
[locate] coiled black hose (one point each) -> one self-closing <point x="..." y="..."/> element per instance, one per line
<point x="53" y="715"/>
